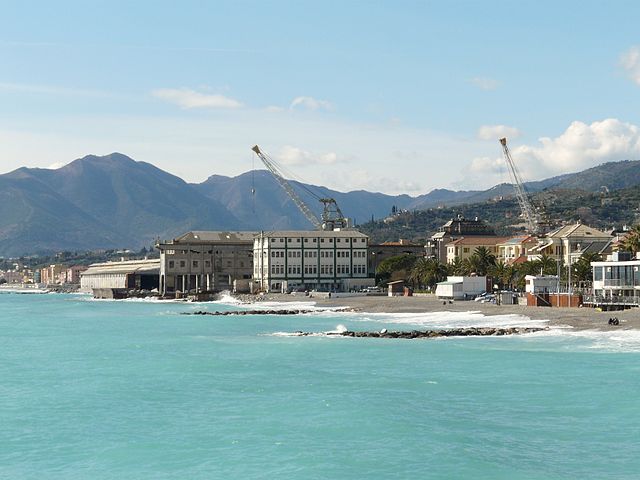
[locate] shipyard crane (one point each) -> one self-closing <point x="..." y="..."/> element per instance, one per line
<point x="528" y="213"/>
<point x="332" y="217"/>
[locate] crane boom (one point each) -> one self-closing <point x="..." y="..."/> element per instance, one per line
<point x="284" y="183"/>
<point x="528" y="212"/>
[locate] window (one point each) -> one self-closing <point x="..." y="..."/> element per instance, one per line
<point x="183" y="264"/>
<point x="297" y="240"/>
<point x="207" y="263"/>
<point x="171" y="263"/>
<point x="288" y="240"/>
<point x="306" y="240"/>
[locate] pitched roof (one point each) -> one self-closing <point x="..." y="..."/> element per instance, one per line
<point x="519" y="240"/>
<point x="577" y="230"/>
<point x="150" y="266"/>
<point x="202" y="236"/>
<point x="478" y="241"/>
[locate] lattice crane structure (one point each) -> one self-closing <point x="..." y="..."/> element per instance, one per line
<point x="332" y="217"/>
<point x="528" y="213"/>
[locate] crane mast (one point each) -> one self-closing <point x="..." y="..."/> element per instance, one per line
<point x="526" y="208"/>
<point x="332" y="216"/>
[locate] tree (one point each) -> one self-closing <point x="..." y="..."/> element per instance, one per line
<point x="631" y="241"/>
<point x="395" y="268"/>
<point x="481" y="260"/>
<point x="427" y="272"/>
<point x="504" y="274"/>
<point x="581" y="270"/>
<point x="458" y="267"/>
<point x="546" y="265"/>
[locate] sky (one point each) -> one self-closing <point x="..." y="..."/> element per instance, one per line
<point x="389" y="96"/>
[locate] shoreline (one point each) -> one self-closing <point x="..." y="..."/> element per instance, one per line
<point x="579" y="318"/>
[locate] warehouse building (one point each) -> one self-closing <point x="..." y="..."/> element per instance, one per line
<point x="129" y="274"/>
<point x="205" y="261"/>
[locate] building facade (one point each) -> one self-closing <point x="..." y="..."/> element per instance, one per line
<point x="616" y="281"/>
<point x="129" y="274"/>
<point x="380" y="251"/>
<point x="311" y="260"/>
<point x="51" y="274"/>
<point x="568" y="243"/>
<point x="516" y="249"/>
<point x="205" y="261"/>
<point x="464" y="248"/>
<point x="452" y="230"/>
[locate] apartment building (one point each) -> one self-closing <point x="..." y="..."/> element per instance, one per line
<point x="311" y="260"/>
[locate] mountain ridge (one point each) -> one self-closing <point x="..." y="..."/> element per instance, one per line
<point x="113" y="201"/>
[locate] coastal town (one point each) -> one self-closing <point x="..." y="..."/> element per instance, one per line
<point x="571" y="265"/>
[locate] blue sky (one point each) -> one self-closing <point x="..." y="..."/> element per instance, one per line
<point x="399" y="97"/>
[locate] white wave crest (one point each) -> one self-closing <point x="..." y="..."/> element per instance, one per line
<point x="443" y="319"/>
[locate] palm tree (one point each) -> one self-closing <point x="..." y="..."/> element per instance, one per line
<point x="631" y="241"/>
<point x="546" y="265"/>
<point x="428" y="272"/>
<point x="581" y="270"/>
<point x="503" y="273"/>
<point x="457" y="267"/>
<point x="482" y="260"/>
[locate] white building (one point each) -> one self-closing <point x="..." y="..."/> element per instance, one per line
<point x="461" y="288"/>
<point x="616" y="281"/>
<point x="537" y="284"/>
<point x="130" y="274"/>
<point x="311" y="260"/>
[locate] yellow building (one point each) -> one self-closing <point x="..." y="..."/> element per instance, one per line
<point x="572" y="241"/>
<point x="516" y="248"/>
<point x="465" y="247"/>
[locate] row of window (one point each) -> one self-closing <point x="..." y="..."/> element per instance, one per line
<point x="314" y="254"/>
<point x="196" y="252"/>
<point x="315" y="240"/>
<point x="313" y="269"/>
<point x="207" y="263"/>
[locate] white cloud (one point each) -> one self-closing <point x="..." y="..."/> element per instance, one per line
<point x="630" y="62"/>
<point x="187" y="98"/>
<point x="289" y="155"/>
<point x="310" y="103"/>
<point x="484" y="83"/>
<point x="579" y="147"/>
<point x="343" y="155"/>
<point x="495" y="132"/>
<point x="274" y="109"/>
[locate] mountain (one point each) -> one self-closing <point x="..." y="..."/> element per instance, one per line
<point x="270" y="208"/>
<point x="101" y="202"/>
<point x="114" y="201"/>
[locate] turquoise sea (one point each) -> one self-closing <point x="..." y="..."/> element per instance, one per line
<point x="134" y="390"/>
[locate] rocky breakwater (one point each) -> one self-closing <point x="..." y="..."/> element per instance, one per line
<point x="268" y="312"/>
<point x="453" y="332"/>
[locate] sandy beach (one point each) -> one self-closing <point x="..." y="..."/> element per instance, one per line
<point x="583" y="318"/>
